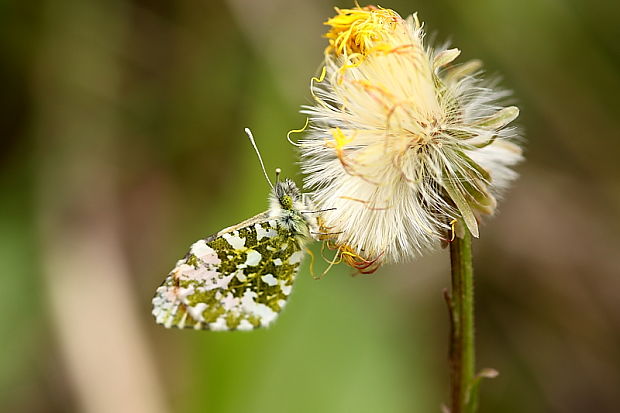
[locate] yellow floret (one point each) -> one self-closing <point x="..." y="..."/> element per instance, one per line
<point x="357" y="32"/>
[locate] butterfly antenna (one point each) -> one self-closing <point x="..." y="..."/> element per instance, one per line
<point x="260" y="159"/>
<point x="278" y="172"/>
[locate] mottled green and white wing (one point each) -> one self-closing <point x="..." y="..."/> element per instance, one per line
<point x="238" y="279"/>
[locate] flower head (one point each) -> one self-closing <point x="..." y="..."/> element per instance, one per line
<point x="401" y="141"/>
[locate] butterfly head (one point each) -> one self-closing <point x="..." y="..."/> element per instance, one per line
<point x="293" y="210"/>
<point x="288" y="195"/>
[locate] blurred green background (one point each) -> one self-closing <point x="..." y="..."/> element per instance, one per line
<point x="121" y="143"/>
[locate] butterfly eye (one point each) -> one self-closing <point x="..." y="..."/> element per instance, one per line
<point x="286" y="201"/>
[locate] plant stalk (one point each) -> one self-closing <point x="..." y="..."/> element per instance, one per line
<point x="462" y="348"/>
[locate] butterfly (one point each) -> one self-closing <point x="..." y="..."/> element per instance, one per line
<point x="241" y="277"/>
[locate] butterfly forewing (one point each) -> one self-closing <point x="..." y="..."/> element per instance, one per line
<point x="238" y="279"/>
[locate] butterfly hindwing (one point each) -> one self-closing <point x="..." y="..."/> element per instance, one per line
<point x="238" y="279"/>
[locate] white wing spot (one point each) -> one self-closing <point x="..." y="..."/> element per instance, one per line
<point x="269" y="279"/>
<point x="229" y="302"/>
<point x="241" y="276"/>
<point x="277" y="261"/>
<point x="196" y="311"/>
<point x="219" y="282"/>
<point x="219" y="325"/>
<point x="264" y="233"/>
<point x="252" y="259"/>
<point x="183" y="270"/>
<point x="265" y="314"/>
<point x="296" y="257"/>
<point x="205" y="253"/>
<point x="286" y="289"/>
<point x="245" y="325"/>
<point x="208" y="277"/>
<point x="182" y="321"/>
<point x="183" y="293"/>
<point x="234" y="240"/>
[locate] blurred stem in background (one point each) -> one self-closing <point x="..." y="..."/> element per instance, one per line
<point x="78" y="129"/>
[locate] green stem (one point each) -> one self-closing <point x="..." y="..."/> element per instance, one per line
<point x="462" y="350"/>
